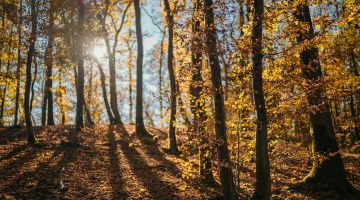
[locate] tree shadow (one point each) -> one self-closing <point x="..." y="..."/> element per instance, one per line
<point x="14" y="165"/>
<point x="116" y="181"/>
<point x="14" y="152"/>
<point x="44" y="180"/>
<point x="146" y="174"/>
<point x="154" y="152"/>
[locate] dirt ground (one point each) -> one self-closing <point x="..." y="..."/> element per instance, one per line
<point x="108" y="162"/>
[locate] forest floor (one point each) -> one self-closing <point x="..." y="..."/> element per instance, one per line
<point x="108" y="162"/>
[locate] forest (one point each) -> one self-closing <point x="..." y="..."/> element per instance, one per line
<point x="180" y="99"/>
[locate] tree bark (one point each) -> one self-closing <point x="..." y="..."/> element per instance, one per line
<point x="33" y="84"/>
<point x="18" y="69"/>
<point x="79" y="123"/>
<point x="172" y="129"/>
<point x="3" y="94"/>
<point x="103" y="87"/>
<point x="226" y="176"/>
<point x="328" y="167"/>
<point x="111" y="61"/>
<point x="140" y="127"/>
<point x="161" y="80"/>
<point x="89" y="119"/>
<point x="30" y="54"/>
<point x="48" y="97"/>
<point x="130" y="68"/>
<point x="112" y="70"/>
<point x="263" y="183"/>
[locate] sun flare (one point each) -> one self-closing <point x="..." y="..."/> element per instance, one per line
<point x="99" y="51"/>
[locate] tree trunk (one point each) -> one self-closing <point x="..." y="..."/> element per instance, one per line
<point x="89" y="119"/>
<point x="161" y="80"/>
<point x="79" y="123"/>
<point x="328" y="167"/>
<point x="103" y="87"/>
<point x="140" y="127"/>
<point x="113" y="97"/>
<point x="30" y="54"/>
<point x="226" y="176"/>
<point x="112" y="69"/>
<point x="197" y="101"/>
<point x="3" y="98"/>
<point x="33" y="84"/>
<point x="3" y="95"/>
<point x="60" y="96"/>
<point x="18" y="69"/>
<point x="44" y="102"/>
<point x="48" y="98"/>
<point x="263" y="183"/>
<point x="130" y="68"/>
<point x="172" y="129"/>
<point x="354" y="115"/>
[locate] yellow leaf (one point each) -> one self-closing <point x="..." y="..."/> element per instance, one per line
<point x="182" y="187"/>
<point x="350" y="19"/>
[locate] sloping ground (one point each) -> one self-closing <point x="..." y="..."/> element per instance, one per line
<point x="108" y="162"/>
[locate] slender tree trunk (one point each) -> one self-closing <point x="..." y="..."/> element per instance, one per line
<point x="48" y="98"/>
<point x="161" y="80"/>
<point x="3" y="98"/>
<point x="197" y="101"/>
<point x="19" y="64"/>
<point x="30" y="54"/>
<point x="328" y="167"/>
<point x="354" y="115"/>
<point x="130" y="94"/>
<point x="130" y="68"/>
<point x="3" y="95"/>
<point x="44" y="102"/>
<point x="61" y="101"/>
<point x="87" y="102"/>
<point x="89" y="119"/>
<point x="113" y="97"/>
<point x="4" y="90"/>
<point x="79" y="123"/>
<point x="140" y="127"/>
<point x="103" y="87"/>
<point x="226" y="176"/>
<point x="263" y="183"/>
<point x="33" y="84"/>
<point x="111" y="60"/>
<point x="172" y="129"/>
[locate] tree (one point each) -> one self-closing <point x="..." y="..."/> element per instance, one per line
<point x="111" y="55"/>
<point x="48" y="100"/>
<point x="30" y="55"/>
<point x="19" y="64"/>
<point x="113" y="98"/>
<point x="197" y="100"/>
<point x="130" y="44"/>
<point x="226" y="176"/>
<point x="172" y="129"/>
<point x="140" y="126"/>
<point x="262" y="186"/>
<point x="328" y="167"/>
<point x="79" y="123"/>
<point x="103" y="88"/>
